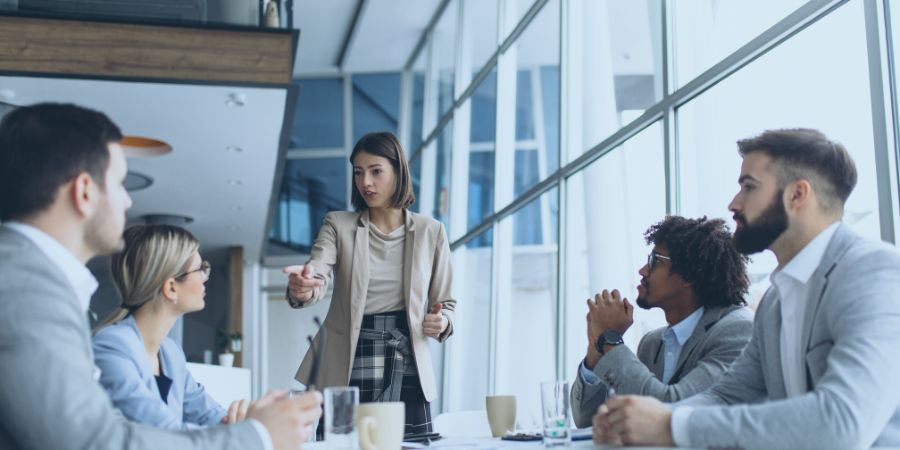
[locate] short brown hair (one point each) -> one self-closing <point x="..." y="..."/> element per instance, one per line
<point x="386" y="145"/>
<point x="43" y="147"/>
<point x="804" y="153"/>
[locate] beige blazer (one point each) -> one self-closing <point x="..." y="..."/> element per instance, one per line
<point x="342" y="250"/>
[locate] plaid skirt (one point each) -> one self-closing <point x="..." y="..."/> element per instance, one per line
<point x="384" y="368"/>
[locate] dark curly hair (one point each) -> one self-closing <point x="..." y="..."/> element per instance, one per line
<point x="703" y="255"/>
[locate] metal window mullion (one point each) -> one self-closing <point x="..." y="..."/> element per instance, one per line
<point x="566" y="39"/>
<point x="878" y="91"/>
<point x="894" y="111"/>
<point x="348" y="133"/>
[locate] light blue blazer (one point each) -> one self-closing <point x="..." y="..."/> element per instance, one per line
<point x="128" y="378"/>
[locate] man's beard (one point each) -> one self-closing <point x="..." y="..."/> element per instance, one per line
<point x="642" y="303"/>
<point x="758" y="236"/>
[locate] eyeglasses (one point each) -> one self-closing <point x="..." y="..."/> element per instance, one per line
<point x="205" y="267"/>
<point x="653" y="258"/>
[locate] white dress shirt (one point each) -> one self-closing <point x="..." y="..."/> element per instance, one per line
<point x="84" y="285"/>
<point x="791" y="283"/>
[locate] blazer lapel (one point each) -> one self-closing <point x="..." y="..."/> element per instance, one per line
<point x="819" y="283"/>
<point x="360" y="267"/>
<point x="770" y="313"/>
<point x="409" y="272"/>
<point x="709" y="318"/>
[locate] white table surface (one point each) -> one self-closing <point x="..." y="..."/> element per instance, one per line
<point x="488" y="443"/>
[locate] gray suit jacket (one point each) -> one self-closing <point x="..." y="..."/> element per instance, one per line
<point x="851" y="341"/>
<point x="48" y="395"/>
<point x="716" y="342"/>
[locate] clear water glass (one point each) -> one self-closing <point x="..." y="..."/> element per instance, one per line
<point x="341" y="404"/>
<point x="313" y="426"/>
<point x="555" y="413"/>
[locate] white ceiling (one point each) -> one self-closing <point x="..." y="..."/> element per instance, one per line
<point x="386" y="34"/>
<point x="193" y="180"/>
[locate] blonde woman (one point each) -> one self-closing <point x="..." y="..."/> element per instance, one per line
<point x="160" y="277"/>
<point x="392" y="287"/>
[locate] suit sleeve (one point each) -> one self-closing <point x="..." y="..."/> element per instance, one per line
<point x="857" y="393"/>
<point x="48" y="398"/>
<point x="322" y="257"/>
<point x="440" y="289"/>
<point x="629" y="375"/>
<point x="199" y="407"/>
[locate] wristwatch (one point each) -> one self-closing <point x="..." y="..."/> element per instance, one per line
<point x="611" y="337"/>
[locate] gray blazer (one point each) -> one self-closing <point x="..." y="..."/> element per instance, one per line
<point x="48" y="395"/>
<point x="851" y="340"/>
<point x="716" y="342"/>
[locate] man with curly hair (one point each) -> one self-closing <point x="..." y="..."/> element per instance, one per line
<point x="697" y="277"/>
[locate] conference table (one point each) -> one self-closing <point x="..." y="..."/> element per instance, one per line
<point x="485" y="443"/>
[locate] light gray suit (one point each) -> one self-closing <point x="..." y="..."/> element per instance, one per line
<point x="48" y="396"/>
<point x="716" y="342"/>
<point x="851" y="342"/>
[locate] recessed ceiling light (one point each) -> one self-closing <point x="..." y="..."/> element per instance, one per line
<point x="233" y="149"/>
<point x="235" y="182"/>
<point x="136" y="181"/>
<point x="236" y="99"/>
<point x="142" y="147"/>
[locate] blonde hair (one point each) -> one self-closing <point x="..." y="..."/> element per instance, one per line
<point x="152" y="255"/>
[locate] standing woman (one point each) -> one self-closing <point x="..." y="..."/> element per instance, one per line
<point x="392" y="287"/>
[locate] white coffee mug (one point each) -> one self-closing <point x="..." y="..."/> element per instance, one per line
<point x="501" y="413"/>
<point x="381" y="425"/>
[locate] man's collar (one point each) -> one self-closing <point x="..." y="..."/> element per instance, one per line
<point x="685" y="328"/>
<point x="83" y="282"/>
<point x="805" y="262"/>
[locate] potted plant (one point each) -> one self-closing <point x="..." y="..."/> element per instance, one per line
<point x="229" y="343"/>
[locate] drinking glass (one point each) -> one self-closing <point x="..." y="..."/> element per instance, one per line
<point x="555" y="413"/>
<point x="340" y="417"/>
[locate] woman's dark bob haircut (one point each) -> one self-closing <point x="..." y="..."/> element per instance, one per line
<point x="386" y="145"/>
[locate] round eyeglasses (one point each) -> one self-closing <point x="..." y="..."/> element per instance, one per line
<point x="205" y="267"/>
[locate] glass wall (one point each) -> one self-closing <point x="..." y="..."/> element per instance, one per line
<point x="319" y="116"/>
<point x="526" y="325"/>
<point x="603" y="116"/>
<point x="617" y="66"/>
<point x="609" y="204"/>
<point x="537" y="99"/>
<point x="765" y="95"/>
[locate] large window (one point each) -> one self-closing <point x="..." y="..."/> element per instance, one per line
<point x="617" y="55"/>
<point x="610" y="204"/>
<point x="537" y="100"/>
<point x="468" y="367"/>
<point x="443" y="57"/>
<point x="620" y="112"/>
<point x="705" y="31"/>
<point x="319" y="116"/>
<point x="783" y="89"/>
<point x="526" y="310"/>
<point x="376" y="103"/>
<point x="309" y="190"/>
